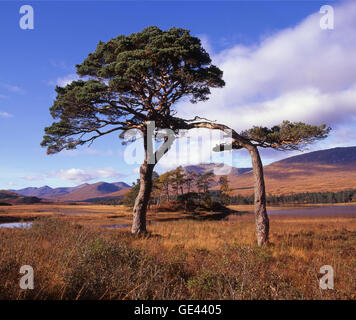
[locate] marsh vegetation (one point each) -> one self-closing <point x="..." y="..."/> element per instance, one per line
<point x="182" y="258"/>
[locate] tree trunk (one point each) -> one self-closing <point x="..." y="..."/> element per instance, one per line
<point x="143" y="197"/>
<point x="261" y="217"/>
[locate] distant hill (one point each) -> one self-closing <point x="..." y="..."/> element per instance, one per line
<point x="45" y="191"/>
<point x="96" y="190"/>
<point x="217" y="168"/>
<point x="8" y="197"/>
<point x="78" y="193"/>
<point x="324" y="170"/>
<point x="335" y="156"/>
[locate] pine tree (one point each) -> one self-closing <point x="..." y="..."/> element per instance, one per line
<point x="225" y="191"/>
<point x="130" y="82"/>
<point x="286" y="136"/>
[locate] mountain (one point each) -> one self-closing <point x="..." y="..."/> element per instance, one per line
<point x="324" y="170"/>
<point x="96" y="190"/>
<point x="121" y="185"/>
<point x="335" y="156"/>
<point x="79" y="193"/>
<point x="9" y="197"/>
<point x="217" y="168"/>
<point x="87" y="192"/>
<point x="43" y="192"/>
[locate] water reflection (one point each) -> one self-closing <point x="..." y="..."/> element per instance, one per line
<point x="20" y="225"/>
<point x="322" y="210"/>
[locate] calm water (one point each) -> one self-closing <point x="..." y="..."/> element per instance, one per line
<point x="21" y="225"/>
<point x="322" y="210"/>
<point x="116" y="226"/>
<point x="304" y="211"/>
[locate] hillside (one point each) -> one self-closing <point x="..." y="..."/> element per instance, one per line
<point x="217" y="168"/>
<point x="46" y="191"/>
<point x="96" y="190"/>
<point x="8" y="197"/>
<point x="324" y="170"/>
<point x="335" y="156"/>
<point x="79" y="193"/>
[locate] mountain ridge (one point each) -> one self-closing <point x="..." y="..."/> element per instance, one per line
<point x="9" y="198"/>
<point x="343" y="155"/>
<point x="217" y="168"/>
<point x="77" y="193"/>
<point x="323" y="170"/>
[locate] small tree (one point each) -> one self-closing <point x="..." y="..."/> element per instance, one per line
<point x="207" y="179"/>
<point x="131" y="81"/>
<point x="131" y="195"/>
<point x="165" y="181"/>
<point x="199" y="182"/>
<point x="189" y="180"/>
<point x="283" y="137"/>
<point x="156" y="189"/>
<point x="225" y="191"/>
<point x="178" y="179"/>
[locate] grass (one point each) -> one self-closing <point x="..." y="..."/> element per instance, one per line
<point x="183" y="259"/>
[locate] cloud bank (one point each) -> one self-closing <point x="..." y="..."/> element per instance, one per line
<point x="4" y="114"/>
<point x="81" y="175"/>
<point x="302" y="73"/>
<point x="76" y="175"/>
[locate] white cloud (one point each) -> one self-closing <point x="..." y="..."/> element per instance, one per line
<point x="206" y="43"/>
<point x="60" y="64"/>
<point x="299" y="74"/>
<point x="63" y="81"/>
<point x="136" y="170"/>
<point x="86" y="151"/>
<point x="5" y="115"/>
<point x="81" y="175"/>
<point x="11" y="88"/>
<point x="194" y="147"/>
<point x="33" y="177"/>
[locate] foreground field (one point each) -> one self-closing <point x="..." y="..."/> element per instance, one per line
<point x="183" y="259"/>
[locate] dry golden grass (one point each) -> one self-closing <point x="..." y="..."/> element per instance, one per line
<point x="182" y="259"/>
<point x="86" y="214"/>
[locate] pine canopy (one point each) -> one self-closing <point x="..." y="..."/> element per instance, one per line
<point x="128" y="81"/>
<point x="286" y="136"/>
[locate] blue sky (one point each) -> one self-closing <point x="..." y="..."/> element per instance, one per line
<point x="236" y="34"/>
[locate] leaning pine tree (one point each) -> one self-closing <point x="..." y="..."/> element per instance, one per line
<point x="283" y="137"/>
<point x="128" y="83"/>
